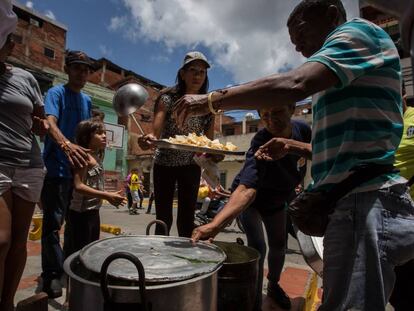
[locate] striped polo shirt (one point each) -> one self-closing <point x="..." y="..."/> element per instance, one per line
<point x="359" y="120"/>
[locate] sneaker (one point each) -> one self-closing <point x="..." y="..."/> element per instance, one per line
<point x="53" y="288"/>
<point x="275" y="292"/>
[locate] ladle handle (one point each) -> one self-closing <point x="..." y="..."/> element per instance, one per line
<point x="137" y="123"/>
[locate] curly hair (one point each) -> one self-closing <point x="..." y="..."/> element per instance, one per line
<point x="319" y="6"/>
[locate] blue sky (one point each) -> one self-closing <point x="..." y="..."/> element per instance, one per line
<point x="243" y="39"/>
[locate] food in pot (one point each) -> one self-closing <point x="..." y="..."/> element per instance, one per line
<point x="193" y="139"/>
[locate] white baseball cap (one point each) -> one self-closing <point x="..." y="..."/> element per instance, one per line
<point x="192" y="56"/>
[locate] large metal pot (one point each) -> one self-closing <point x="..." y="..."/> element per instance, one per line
<point x="190" y="289"/>
<point x="238" y="278"/>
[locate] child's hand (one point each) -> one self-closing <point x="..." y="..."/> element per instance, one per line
<point x="116" y="198"/>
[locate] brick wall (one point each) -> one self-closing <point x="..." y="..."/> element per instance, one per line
<point x="95" y="77"/>
<point x="111" y="77"/>
<point x="30" y="50"/>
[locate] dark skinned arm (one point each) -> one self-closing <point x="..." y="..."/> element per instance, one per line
<point x="76" y="155"/>
<point x="278" y="89"/>
<point x="278" y="147"/>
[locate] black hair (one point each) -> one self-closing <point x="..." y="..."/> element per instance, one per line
<point x="180" y="84"/>
<point x="98" y="114"/>
<point x="179" y="87"/>
<point x="319" y="6"/>
<point x="291" y="106"/>
<point x="86" y="129"/>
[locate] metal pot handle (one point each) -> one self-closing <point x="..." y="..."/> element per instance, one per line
<point x="159" y="222"/>
<point x="141" y="276"/>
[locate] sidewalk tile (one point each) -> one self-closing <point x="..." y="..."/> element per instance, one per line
<point x="28" y="282"/>
<point x="33" y="248"/>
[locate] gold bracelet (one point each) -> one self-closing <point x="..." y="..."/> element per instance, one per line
<point x="210" y="105"/>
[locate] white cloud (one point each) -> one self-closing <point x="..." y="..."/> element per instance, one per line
<point x="118" y="22"/>
<point x="247" y="38"/>
<point x="160" y="58"/>
<point x="50" y="14"/>
<point x="105" y="51"/>
<point x="29" y="4"/>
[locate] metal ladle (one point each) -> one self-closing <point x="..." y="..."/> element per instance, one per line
<point x="128" y="99"/>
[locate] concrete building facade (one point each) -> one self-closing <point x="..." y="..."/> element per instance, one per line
<point x="40" y="46"/>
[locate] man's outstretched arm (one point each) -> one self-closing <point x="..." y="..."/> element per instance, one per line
<point x="279" y="89"/>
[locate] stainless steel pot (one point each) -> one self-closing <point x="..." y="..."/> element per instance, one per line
<point x="195" y="293"/>
<point x="238" y="278"/>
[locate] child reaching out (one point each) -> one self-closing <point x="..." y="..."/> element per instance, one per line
<point x="83" y="221"/>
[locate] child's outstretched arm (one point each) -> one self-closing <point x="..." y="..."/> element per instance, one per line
<point x="115" y="198"/>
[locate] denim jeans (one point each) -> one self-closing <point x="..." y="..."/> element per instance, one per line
<point x="275" y="225"/>
<point x="369" y="234"/>
<point x="56" y="196"/>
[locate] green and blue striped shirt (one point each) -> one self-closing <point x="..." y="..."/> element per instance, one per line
<point x="359" y="120"/>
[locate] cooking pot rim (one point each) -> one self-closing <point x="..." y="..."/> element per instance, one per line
<point x="235" y="244"/>
<point x="68" y="270"/>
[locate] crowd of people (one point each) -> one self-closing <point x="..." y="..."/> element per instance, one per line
<point x="353" y="72"/>
<point x="360" y="119"/>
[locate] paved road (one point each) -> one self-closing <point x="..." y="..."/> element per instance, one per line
<point x="294" y="279"/>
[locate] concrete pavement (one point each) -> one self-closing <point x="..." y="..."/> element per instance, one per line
<point x="295" y="278"/>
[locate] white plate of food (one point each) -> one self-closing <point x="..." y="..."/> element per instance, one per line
<point x="199" y="144"/>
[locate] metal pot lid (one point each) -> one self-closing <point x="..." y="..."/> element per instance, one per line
<point x="165" y="259"/>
